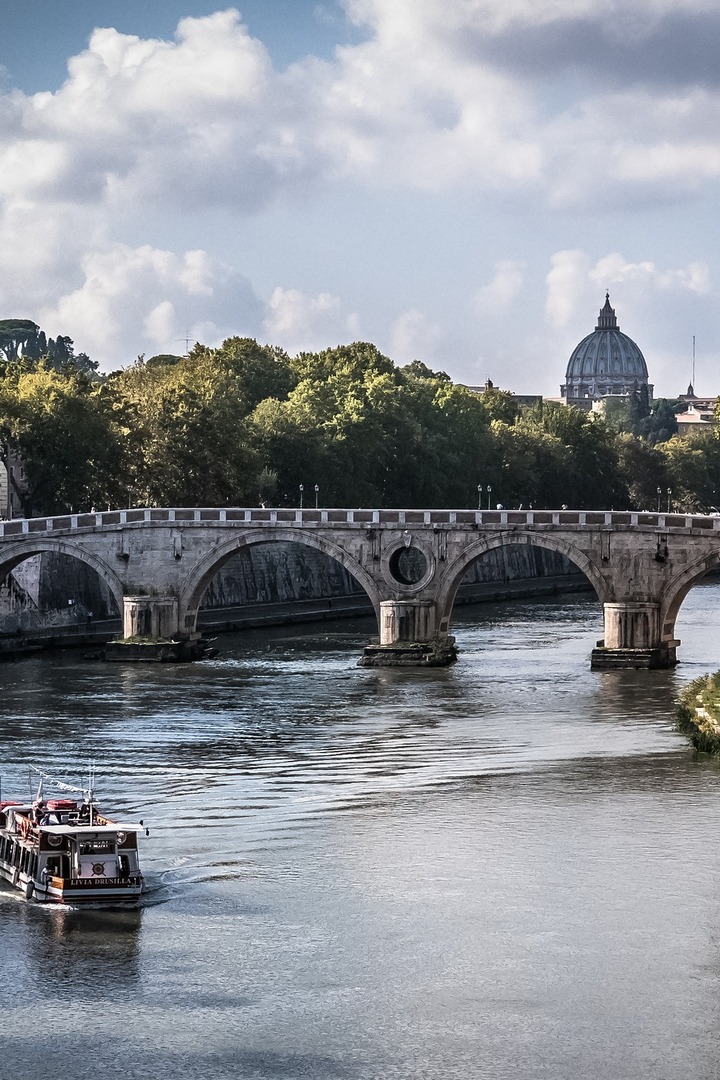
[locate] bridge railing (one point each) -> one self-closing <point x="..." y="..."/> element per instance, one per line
<point x="291" y="517"/>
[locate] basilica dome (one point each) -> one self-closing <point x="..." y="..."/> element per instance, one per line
<point x="605" y="363"/>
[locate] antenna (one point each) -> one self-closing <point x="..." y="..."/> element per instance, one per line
<point x="693" y="365"/>
<point x="187" y="339"/>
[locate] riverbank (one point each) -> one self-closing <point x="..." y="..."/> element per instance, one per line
<point x="697" y="713"/>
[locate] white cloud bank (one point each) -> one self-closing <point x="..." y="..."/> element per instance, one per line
<point x="155" y="298"/>
<point x="300" y="323"/>
<point x="432" y="100"/>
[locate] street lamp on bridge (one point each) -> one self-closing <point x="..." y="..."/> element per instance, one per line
<point x="301" y="490"/>
<point x="659" y="493"/>
<point x="669" y="494"/>
<point x="317" y="494"/>
<point x="489" y="489"/>
<point x="480" y="491"/>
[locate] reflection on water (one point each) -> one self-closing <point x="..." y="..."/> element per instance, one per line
<point x="503" y="868"/>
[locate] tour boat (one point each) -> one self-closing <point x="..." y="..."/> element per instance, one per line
<point x="64" y="851"/>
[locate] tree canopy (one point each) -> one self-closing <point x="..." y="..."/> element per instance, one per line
<point x="22" y="341"/>
<point x="246" y="423"/>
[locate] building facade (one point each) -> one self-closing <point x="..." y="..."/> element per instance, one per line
<point x="13" y="484"/>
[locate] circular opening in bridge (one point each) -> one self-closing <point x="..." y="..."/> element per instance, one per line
<point x="408" y="565"/>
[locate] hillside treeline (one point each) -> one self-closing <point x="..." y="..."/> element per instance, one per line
<point x="245" y="424"/>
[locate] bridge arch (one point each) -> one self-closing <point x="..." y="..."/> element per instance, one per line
<point x="13" y="554"/>
<point x="678" y="587"/>
<point x="456" y="571"/>
<point x="202" y="573"/>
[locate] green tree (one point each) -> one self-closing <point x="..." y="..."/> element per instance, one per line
<point x="693" y="470"/>
<point x="588" y="474"/>
<point x="23" y="342"/>
<point x="189" y="422"/>
<point x="643" y="468"/>
<point x="660" y="424"/>
<point x="67" y="438"/>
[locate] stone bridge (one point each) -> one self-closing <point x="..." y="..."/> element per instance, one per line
<point x="158" y="563"/>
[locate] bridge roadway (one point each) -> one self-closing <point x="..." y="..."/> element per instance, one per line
<point x="158" y="563"/>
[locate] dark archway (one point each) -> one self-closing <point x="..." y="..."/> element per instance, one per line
<point x="54" y="583"/>
<point x="275" y="572"/>
<point x="501" y="560"/>
<point x="677" y="590"/>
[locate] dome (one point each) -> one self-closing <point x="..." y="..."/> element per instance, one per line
<point x="606" y="362"/>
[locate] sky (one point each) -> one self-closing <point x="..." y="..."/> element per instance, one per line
<point x="457" y="181"/>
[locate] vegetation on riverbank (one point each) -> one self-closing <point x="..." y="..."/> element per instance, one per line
<point x="697" y="713"/>
<point x="247" y="423"/>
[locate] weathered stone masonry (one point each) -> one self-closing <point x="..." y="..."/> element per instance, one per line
<point x="157" y="564"/>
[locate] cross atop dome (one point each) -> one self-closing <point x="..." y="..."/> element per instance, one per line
<point x="606" y="318"/>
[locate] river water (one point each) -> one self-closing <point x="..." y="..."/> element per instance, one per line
<point x="508" y="868"/>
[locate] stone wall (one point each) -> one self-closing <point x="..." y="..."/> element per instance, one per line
<point x="272" y="573"/>
<point x="519" y="562"/>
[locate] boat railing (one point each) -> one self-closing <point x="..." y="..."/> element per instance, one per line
<point x="26" y="828"/>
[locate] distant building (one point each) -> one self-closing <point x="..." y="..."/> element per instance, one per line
<point x="699" y="414"/>
<point x="524" y="400"/>
<point x="694" y="420"/>
<point x="606" y="363"/>
<point x="607" y="366"/>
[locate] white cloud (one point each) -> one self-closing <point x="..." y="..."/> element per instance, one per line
<point x="160" y="325"/>
<point x="414" y="19"/>
<point x="433" y="99"/>
<point x="575" y="285"/>
<point x="567" y="285"/>
<point x="205" y="118"/>
<point x="300" y="323"/>
<point x="496" y="297"/>
<point x="154" y="298"/>
<point x="614" y="268"/>
<point x="414" y="337"/>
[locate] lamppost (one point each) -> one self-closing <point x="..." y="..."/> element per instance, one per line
<point x="669" y="493"/>
<point x="659" y="493"/>
<point x="480" y="491"/>
<point x="317" y="493"/>
<point x="489" y="489"/>
<point x="301" y="489"/>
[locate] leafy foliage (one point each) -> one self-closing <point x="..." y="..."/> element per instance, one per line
<point x="66" y="436"/>
<point x="23" y="342"/>
<point x="245" y="423"/>
<point x="697" y="713"/>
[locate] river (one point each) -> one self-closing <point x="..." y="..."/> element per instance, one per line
<point x="507" y="868"/>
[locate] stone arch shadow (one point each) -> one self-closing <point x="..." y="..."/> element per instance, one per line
<point x="202" y="573"/>
<point x="456" y="571"/>
<point x="14" y="554"/>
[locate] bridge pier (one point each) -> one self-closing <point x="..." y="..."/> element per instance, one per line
<point x="151" y="632"/>
<point x="409" y="637"/>
<point x="632" y="639"/>
<point x="150" y="617"/>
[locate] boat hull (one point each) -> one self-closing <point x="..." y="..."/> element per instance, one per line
<point x="75" y="892"/>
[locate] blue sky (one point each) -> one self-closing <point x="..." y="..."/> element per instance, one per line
<point x="458" y="181"/>
<point x="38" y="36"/>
